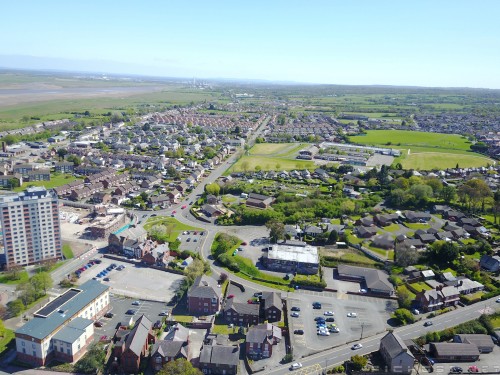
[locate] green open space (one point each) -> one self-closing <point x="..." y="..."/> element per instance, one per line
<point x="439" y="160"/>
<point x="6" y="338"/>
<point x="420" y="286"/>
<point x="267" y="163"/>
<point x="6" y="278"/>
<point x="55" y="181"/>
<point x="172" y="224"/>
<point x="416" y="226"/>
<point x="67" y="251"/>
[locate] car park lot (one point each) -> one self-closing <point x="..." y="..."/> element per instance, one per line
<point x="119" y="307"/>
<point x="488" y="363"/>
<point x="372" y="316"/>
<point x="191" y="241"/>
<point x="135" y="281"/>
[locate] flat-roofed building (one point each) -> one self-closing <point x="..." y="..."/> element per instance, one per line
<point x="286" y="257"/>
<point x="63" y="328"/>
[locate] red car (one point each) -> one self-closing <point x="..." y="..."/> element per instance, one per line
<point x="174" y="211"/>
<point x="243" y="243"/>
<point x="183" y="207"/>
<point x="230" y="296"/>
<point x="253" y="301"/>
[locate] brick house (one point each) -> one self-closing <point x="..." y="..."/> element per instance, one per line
<point x="435" y="299"/>
<point x="241" y="314"/>
<point x="204" y="296"/>
<point x="271" y="306"/>
<point x="260" y="340"/>
<point x="175" y="345"/>
<point x="219" y="357"/>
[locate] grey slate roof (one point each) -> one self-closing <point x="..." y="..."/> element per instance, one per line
<point x="177" y="333"/>
<point x="394" y="345"/>
<point x="374" y="279"/>
<point x="454" y="349"/>
<point x="204" y="287"/>
<point x="242" y="308"/>
<point x="476" y="339"/>
<point x="221" y="354"/>
<point x="40" y="328"/>
<point x="73" y="330"/>
<point x="138" y="335"/>
<point x="272" y="299"/>
<point x="169" y="348"/>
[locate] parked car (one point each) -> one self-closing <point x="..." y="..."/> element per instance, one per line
<point x="106" y="279"/>
<point x="328" y="313"/>
<point x="257" y="294"/>
<point x="352" y="315"/>
<point x="163" y="313"/>
<point x="428" y="323"/>
<point x="131" y="312"/>
<point x="109" y="315"/>
<point x="456" y="370"/>
<point x="136" y="303"/>
<point x="295" y="314"/>
<point x="356" y="346"/>
<point x="296" y="366"/>
<point x="316" y="305"/>
<point x="363" y="291"/>
<point x="230" y="296"/>
<point x="334" y="330"/>
<point x="299" y="332"/>
<point x="330" y="319"/>
<point x="295" y="308"/>
<point x="157" y="324"/>
<point x="473" y="368"/>
<point x="498" y="300"/>
<point x="98" y="324"/>
<point x="319" y="318"/>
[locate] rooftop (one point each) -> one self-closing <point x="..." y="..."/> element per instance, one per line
<point x="306" y="254"/>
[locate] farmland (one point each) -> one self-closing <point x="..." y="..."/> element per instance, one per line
<point x="425" y="151"/>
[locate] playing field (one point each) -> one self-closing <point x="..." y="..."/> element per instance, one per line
<point x="426" y="151"/>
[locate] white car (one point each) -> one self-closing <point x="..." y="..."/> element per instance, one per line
<point x="356" y="346"/>
<point x="498" y="300"/>
<point x="363" y="291"/>
<point x="296" y="366"/>
<point x="323" y="333"/>
<point x="352" y="315"/>
<point x="295" y="314"/>
<point x="328" y="313"/>
<point x="334" y="330"/>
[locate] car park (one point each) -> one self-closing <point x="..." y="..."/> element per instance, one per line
<point x="356" y="346"/>
<point x="296" y="366"/>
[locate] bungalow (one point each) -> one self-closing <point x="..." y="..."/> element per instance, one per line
<point x="385" y="219"/>
<point x="312" y="230"/>
<point x="365" y="232"/>
<point x="241" y="314"/>
<point x="260" y="340"/>
<point x="365" y="221"/>
<point x="417" y="217"/>
<point x="453" y="352"/>
<point x="383" y="242"/>
<point x="259" y="200"/>
<point x="490" y="263"/>
<point x="425" y="237"/>
<point x="484" y="343"/>
<point x="159" y="201"/>
<point x="375" y="281"/>
<point x="211" y="211"/>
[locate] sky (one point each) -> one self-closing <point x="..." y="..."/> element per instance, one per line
<point x="398" y="42"/>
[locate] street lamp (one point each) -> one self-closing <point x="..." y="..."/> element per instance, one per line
<point x="362" y="328"/>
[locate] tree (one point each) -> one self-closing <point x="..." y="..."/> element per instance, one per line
<point x="15" y="307"/>
<point x="14" y="183"/>
<point x="27" y="293"/>
<point x="404" y="297"/>
<point x="276" y="230"/>
<point x="213" y="188"/>
<point x="448" y="193"/>
<point x="74" y="159"/>
<point x="347" y="207"/>
<point x="41" y="282"/>
<point x="442" y="252"/>
<point x="421" y="193"/>
<point x="333" y="237"/>
<point x="195" y="269"/>
<point x="404" y="255"/>
<point x="179" y="367"/>
<point x="62" y="152"/>
<point x="404" y="316"/>
<point x="92" y="361"/>
<point x="358" y="362"/>
<point x="9" y="139"/>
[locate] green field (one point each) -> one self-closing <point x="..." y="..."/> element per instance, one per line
<point x="67" y="252"/>
<point x="424" y="150"/>
<point x="272" y="156"/>
<point x="177" y="226"/>
<point x="55" y="181"/>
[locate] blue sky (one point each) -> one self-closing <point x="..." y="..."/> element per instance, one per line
<point x="397" y="42"/>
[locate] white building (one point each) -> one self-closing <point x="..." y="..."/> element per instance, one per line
<point x="63" y="329"/>
<point x="31" y="227"/>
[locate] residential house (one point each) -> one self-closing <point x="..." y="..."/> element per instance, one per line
<point x="417" y="217"/>
<point x="484" y="343"/>
<point x="374" y="281"/>
<point x="453" y="352"/>
<point x="241" y="313"/>
<point x="39" y="175"/>
<point x="126" y="240"/>
<point x="219" y="357"/>
<point x="260" y="340"/>
<point x="259" y="200"/>
<point x="436" y="299"/>
<point x="365" y="232"/>
<point x="174" y="345"/>
<point x="101" y="197"/>
<point x="271" y="306"/>
<point x="366" y="221"/>
<point x="396" y="355"/>
<point x="383" y="242"/>
<point x="312" y="230"/>
<point x="134" y="346"/>
<point x="64" y="167"/>
<point x="6" y="181"/>
<point x="384" y="220"/>
<point x="204" y="296"/>
<point x="211" y="211"/>
<point x="490" y="263"/>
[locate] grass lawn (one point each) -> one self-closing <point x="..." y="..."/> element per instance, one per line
<point x="421" y="286"/>
<point x="404" y="288"/>
<point x="170" y="222"/>
<point x="476" y="255"/>
<point x="453" y="272"/>
<point x="182" y="318"/>
<point x="474" y="297"/>
<point x="267" y="163"/>
<point x="350" y="255"/>
<point x="353" y="238"/>
<point x="416" y="226"/>
<point x="5" y="339"/>
<point x="387" y="254"/>
<point x="228" y="198"/>
<point x="314" y="278"/>
<point x="495" y="320"/>
<point x="425" y="150"/>
<point x="55" y="181"/>
<point x="67" y="252"/>
<point x="392" y="228"/>
<point x="23" y="277"/>
<point x="270" y="148"/>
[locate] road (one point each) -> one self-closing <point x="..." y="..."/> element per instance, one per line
<point x="316" y="363"/>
